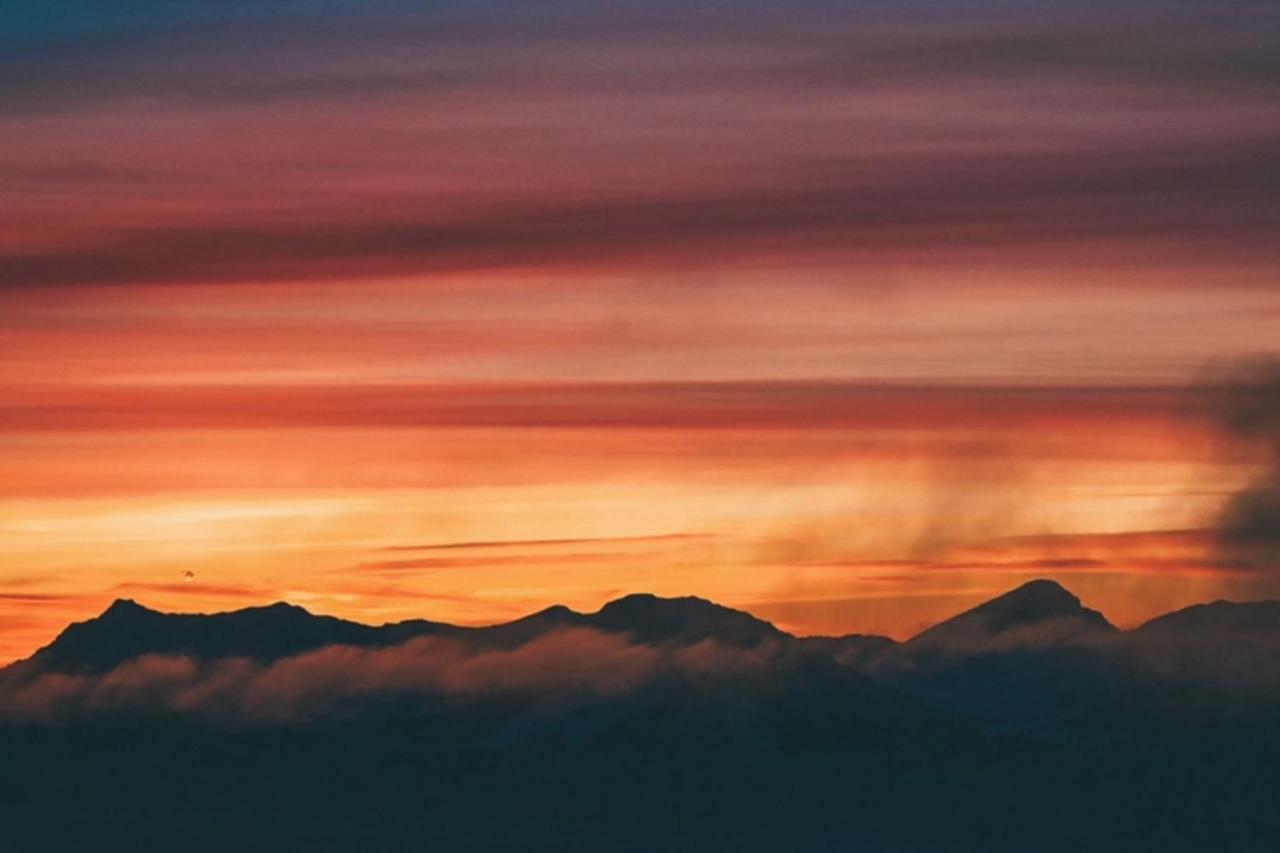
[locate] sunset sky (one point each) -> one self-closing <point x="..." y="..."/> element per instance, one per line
<point x="847" y="314"/>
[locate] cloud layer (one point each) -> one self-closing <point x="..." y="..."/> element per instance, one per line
<point x="562" y="666"/>
<point x="284" y="284"/>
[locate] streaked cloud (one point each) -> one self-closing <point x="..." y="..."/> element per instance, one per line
<point x="460" y="310"/>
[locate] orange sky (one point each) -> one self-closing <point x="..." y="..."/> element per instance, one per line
<point x="850" y="321"/>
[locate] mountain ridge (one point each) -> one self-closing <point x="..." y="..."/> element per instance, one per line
<point x="1032" y="657"/>
<point x="1037" y="613"/>
<point x="127" y="629"/>
<point x="1220" y="615"/>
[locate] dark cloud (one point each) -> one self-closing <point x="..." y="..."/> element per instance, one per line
<point x="1246" y="403"/>
<point x="1233" y="52"/>
<point x="759" y="405"/>
<point x="283" y="52"/>
<point x="498" y="92"/>
<point x="1210" y="194"/>
<point x="1249" y="527"/>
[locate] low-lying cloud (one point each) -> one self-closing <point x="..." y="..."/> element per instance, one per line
<point x="562" y="666"/>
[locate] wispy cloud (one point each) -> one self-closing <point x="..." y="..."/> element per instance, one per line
<point x="549" y="543"/>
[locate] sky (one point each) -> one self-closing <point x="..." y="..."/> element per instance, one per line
<point x="847" y="314"/>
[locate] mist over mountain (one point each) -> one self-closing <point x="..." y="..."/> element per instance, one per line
<point x="1256" y="621"/>
<point x="574" y="726"/>
<point x="1037" y="614"/>
<point x="127" y="630"/>
<point x="1031" y="655"/>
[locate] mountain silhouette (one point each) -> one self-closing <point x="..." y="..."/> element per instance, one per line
<point x="1023" y="658"/>
<point x="127" y="630"/>
<point x="1038" y="613"/>
<point x="1216" y="621"/>
<point x="1032" y="655"/>
<point x="735" y="735"/>
<point x="650" y="619"/>
<point x="512" y="634"/>
<point x="1220" y="649"/>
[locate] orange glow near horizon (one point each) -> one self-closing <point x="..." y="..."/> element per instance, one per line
<point x="301" y="444"/>
<point x="875" y="524"/>
<point x="850" y="320"/>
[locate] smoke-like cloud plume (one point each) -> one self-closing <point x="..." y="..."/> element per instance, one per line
<point x="1246" y="405"/>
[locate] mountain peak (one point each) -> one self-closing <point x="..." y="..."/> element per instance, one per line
<point x="557" y="611"/>
<point x="637" y="601"/>
<point x="650" y="618"/>
<point x="1037" y="597"/>
<point x="282" y="607"/>
<point x="644" y="605"/>
<point x="1038" y="612"/>
<point x="124" y="607"/>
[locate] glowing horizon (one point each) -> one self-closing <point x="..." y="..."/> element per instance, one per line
<point x="850" y="320"/>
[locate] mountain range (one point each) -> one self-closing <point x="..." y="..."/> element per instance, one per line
<point x="1022" y="658"/>
<point x="652" y="723"/>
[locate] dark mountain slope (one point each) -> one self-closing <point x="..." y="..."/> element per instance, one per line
<point x="1029" y="656"/>
<point x="1215" y="621"/>
<point x="126" y="630"/>
<point x="650" y="619"/>
<point x="1039" y="613"/>
<point x="509" y="635"/>
<point x="1224" y="647"/>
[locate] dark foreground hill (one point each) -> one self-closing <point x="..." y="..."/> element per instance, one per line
<point x="1028" y="723"/>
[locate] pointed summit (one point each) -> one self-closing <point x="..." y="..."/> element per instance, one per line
<point x="1036" y="600"/>
<point x="124" y="607"/>
<point x="1037" y="613"/>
